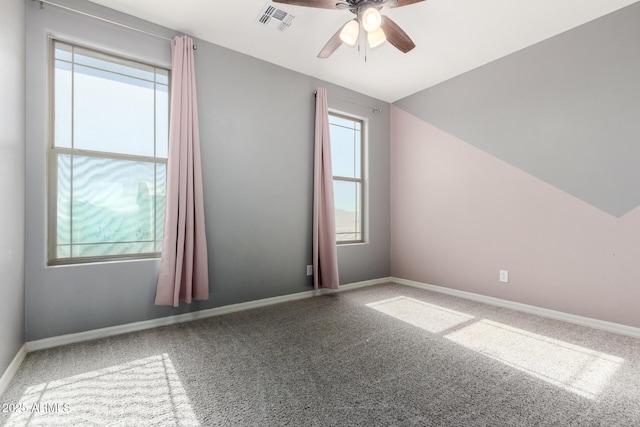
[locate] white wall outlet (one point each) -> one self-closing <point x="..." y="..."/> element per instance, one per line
<point x="504" y="276"/>
<point x="309" y="270"/>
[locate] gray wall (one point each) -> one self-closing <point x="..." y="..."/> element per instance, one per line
<point x="564" y="110"/>
<point x="12" y="128"/>
<point x="256" y="131"/>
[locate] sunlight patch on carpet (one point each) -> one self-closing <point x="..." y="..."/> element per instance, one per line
<point x="418" y="313"/>
<point x="577" y="369"/>
<point x="143" y="392"/>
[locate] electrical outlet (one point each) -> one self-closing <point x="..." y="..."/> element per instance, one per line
<point x="309" y="270"/>
<point x="504" y="276"/>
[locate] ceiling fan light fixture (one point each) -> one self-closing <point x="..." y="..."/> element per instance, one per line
<point x="376" y="38"/>
<point x="371" y="19"/>
<point x="350" y="32"/>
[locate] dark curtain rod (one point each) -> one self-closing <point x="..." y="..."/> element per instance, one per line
<point x="368" y="107"/>
<point x="119" y="24"/>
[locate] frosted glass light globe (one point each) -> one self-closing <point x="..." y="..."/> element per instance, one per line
<point x="349" y="33"/>
<point x="371" y="19"/>
<point x="376" y="38"/>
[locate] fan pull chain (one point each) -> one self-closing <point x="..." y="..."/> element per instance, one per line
<point x="360" y="40"/>
<point x="365" y="51"/>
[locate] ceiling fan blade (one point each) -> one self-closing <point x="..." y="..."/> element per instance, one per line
<point x="400" y="3"/>
<point x="396" y="36"/>
<point x="333" y="43"/>
<point x="322" y="4"/>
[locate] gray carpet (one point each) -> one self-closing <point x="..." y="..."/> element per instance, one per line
<point x="382" y="355"/>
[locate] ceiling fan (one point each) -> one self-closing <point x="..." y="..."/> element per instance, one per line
<point x="378" y="28"/>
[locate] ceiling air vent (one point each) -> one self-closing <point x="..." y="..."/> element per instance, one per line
<point x="275" y="18"/>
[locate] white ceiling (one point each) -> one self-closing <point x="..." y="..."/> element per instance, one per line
<point x="451" y="36"/>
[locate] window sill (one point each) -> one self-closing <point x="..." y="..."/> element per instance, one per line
<point x="102" y="261"/>
<point x="351" y="244"/>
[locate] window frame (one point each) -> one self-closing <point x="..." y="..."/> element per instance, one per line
<point x="361" y="180"/>
<point x="53" y="152"/>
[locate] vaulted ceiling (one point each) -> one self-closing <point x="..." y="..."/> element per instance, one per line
<point x="451" y="36"/>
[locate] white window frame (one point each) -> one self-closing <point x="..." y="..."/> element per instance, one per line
<point x="52" y="166"/>
<point x="363" y="175"/>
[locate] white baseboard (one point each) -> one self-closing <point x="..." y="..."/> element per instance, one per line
<point x="187" y="317"/>
<point x="531" y="309"/>
<point x="202" y="314"/>
<point x="356" y="285"/>
<point x="11" y="370"/>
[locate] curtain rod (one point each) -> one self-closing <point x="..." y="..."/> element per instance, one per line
<point x="369" y="107"/>
<point x="105" y="20"/>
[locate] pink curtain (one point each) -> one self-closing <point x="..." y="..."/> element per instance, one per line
<point x="184" y="274"/>
<point x="325" y="255"/>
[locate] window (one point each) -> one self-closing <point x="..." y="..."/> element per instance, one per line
<point x="348" y="183"/>
<point x="107" y="157"/>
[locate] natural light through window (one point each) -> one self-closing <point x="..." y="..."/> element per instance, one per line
<point x="346" y="134"/>
<point x="429" y="317"/>
<point x="577" y="369"/>
<point x="107" y="166"/>
<point x="143" y="392"/>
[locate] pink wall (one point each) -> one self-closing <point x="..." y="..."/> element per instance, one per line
<point x="458" y="215"/>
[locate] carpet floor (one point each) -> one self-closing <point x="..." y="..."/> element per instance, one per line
<point x="385" y="355"/>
